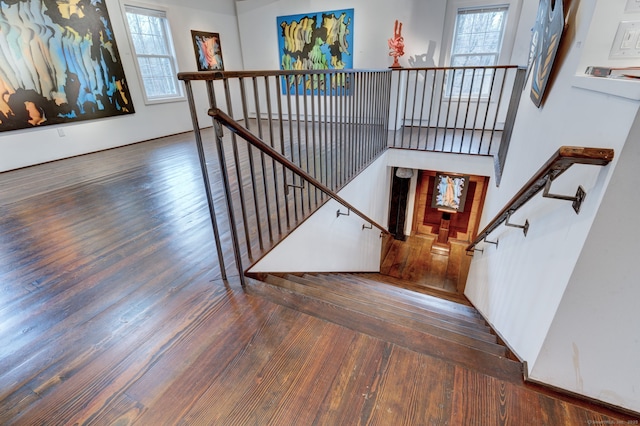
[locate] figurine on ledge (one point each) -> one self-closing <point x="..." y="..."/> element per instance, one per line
<point x="396" y="45"/>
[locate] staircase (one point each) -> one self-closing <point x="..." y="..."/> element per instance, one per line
<point x="445" y="329"/>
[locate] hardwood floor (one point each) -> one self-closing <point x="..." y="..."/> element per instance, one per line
<point x="413" y="261"/>
<point x="112" y="311"/>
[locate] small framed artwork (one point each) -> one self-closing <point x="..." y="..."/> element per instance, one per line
<point x="208" y="51"/>
<point x="450" y="192"/>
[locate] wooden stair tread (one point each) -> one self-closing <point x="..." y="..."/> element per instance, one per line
<point x="472" y="358"/>
<point x="385" y="317"/>
<point x="392" y="310"/>
<point x="382" y="287"/>
<point x="408" y="285"/>
<point x="399" y="302"/>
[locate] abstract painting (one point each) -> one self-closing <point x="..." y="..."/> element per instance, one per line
<point x="208" y="51"/>
<point x="59" y="63"/>
<point x="545" y="41"/>
<point x="449" y="192"/>
<point x="316" y="41"/>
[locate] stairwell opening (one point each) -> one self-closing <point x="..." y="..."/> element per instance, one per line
<point x="428" y="245"/>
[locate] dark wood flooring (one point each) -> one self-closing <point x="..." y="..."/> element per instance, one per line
<point x="112" y="312"/>
<point x="413" y="261"/>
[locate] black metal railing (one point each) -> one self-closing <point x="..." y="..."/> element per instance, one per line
<point x="270" y="199"/>
<point x="462" y="110"/>
<point x="321" y="129"/>
<point x="331" y="124"/>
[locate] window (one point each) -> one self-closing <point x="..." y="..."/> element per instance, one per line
<point x="153" y="48"/>
<point x="477" y="41"/>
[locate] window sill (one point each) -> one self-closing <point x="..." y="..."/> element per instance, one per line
<point x="624" y="88"/>
<point x="164" y="100"/>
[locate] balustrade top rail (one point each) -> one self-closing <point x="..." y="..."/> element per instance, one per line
<point x="562" y="160"/>
<point x="219" y="75"/>
<point x="235" y="127"/>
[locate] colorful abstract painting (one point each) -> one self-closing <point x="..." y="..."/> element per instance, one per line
<point x="208" y="51"/>
<point x="316" y="41"/>
<point x="59" y="63"/>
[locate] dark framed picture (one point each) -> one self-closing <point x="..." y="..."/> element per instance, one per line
<point x="450" y="192"/>
<point x="208" y="51"/>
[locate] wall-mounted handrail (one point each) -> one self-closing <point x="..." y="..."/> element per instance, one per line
<point x="564" y="158"/>
<point x="236" y="128"/>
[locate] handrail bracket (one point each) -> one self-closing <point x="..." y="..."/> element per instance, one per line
<point x="339" y="213"/>
<point x="495" y="243"/>
<point x="576" y="201"/>
<point x="525" y="227"/>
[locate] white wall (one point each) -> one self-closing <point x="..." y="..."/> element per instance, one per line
<point x="326" y="243"/>
<point x="594" y="340"/>
<point x="373" y="26"/>
<point x="519" y="286"/>
<point x="27" y="147"/>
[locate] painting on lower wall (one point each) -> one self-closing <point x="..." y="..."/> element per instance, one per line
<point x="208" y="51"/>
<point x="316" y="41"/>
<point x="450" y="192"/>
<point x="59" y="63"/>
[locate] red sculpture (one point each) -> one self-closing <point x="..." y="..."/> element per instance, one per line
<point x="396" y="45"/>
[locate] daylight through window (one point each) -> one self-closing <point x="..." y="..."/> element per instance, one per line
<point x="151" y="40"/>
<point x="477" y="41"/>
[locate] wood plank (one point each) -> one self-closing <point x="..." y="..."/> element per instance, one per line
<point x="401" y="309"/>
<point x="113" y="312"/>
<point x="402" y="336"/>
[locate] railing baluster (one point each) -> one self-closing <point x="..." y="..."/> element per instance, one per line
<point x="279" y="80"/>
<point x="273" y="164"/>
<point x="475" y="120"/>
<point x="290" y="80"/>
<point x="442" y="91"/>
<point x="352" y="127"/>
<point x="499" y="103"/>
<point x="262" y="159"/>
<point x="235" y="239"/>
<point x="316" y="174"/>
<point x="455" y="122"/>
<point x="236" y="156"/>
<point x="252" y="169"/>
<point x="486" y="113"/>
<point x="306" y="134"/>
<point x="204" y="171"/>
<point x="413" y="108"/>
<point x="321" y="153"/>
<point x="298" y="142"/>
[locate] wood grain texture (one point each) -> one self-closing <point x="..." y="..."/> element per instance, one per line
<point x="112" y="311"/>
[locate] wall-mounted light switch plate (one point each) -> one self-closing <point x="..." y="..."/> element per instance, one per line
<point x="633" y="6"/>
<point x="627" y="41"/>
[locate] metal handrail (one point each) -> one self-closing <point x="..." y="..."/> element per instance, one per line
<point x="235" y="127"/>
<point x="559" y="162"/>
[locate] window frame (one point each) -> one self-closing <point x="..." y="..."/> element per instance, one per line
<point x="514" y="8"/>
<point x="451" y="13"/>
<point x="469" y="11"/>
<point x="477" y="89"/>
<point x="157" y="11"/>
